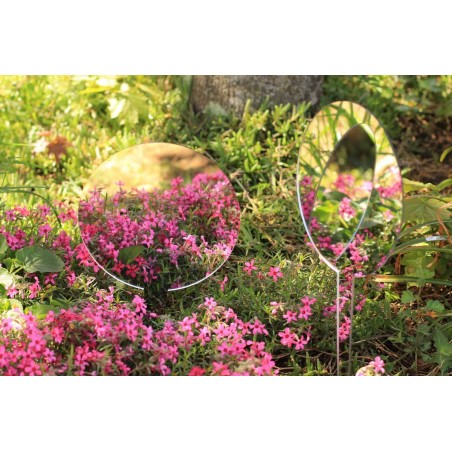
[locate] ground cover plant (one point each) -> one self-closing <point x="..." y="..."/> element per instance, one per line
<point x="268" y="310"/>
<point x="164" y="238"/>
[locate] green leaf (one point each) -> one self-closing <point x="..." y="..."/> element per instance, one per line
<point x="335" y="195"/>
<point x="370" y="223"/>
<point x="411" y="279"/>
<point x="5" y="305"/>
<point x="434" y="305"/>
<point x="37" y="259"/>
<point x="407" y="296"/>
<point x="6" y="278"/>
<point x="424" y="249"/>
<point x="416" y="264"/>
<point x="421" y="241"/>
<point x="443" y="351"/>
<point x="40" y="311"/>
<point x="3" y="245"/>
<point x="412" y="185"/>
<point x="411" y="229"/>
<point x="444" y="184"/>
<point x="445" y="153"/>
<point x="324" y="211"/>
<point x="127" y="255"/>
<point x="423" y="208"/>
<point x="422" y="273"/>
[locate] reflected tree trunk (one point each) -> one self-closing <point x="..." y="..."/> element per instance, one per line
<point x="229" y="93"/>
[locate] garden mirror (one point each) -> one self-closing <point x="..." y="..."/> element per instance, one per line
<point x="349" y="189"/>
<point x="159" y="215"/>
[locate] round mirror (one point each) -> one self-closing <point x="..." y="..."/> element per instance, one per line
<point x="159" y="215"/>
<point x="349" y="187"/>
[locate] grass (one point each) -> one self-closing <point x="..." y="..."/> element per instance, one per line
<point x="99" y="116"/>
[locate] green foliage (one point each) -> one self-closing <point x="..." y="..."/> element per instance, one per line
<point x="3" y="245"/>
<point x="6" y="278"/>
<point x="40" y="310"/>
<point x="425" y="245"/>
<point x="37" y="259"/>
<point x="414" y="109"/>
<point x="127" y="255"/>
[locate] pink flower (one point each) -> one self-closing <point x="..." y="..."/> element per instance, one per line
<point x="71" y="278"/>
<point x="344" y="329"/>
<point x="186" y="324"/>
<point x="346" y="211"/>
<point x="287" y="337"/>
<point x="57" y="334"/>
<point x="305" y="312"/>
<point x="44" y="231"/>
<point x="148" y="240"/>
<point x="34" y="289"/>
<point x="204" y="335"/>
<point x="210" y="302"/>
<point x="50" y="278"/>
<point x="306" y="181"/>
<point x="378" y="364"/>
<point x="249" y="267"/>
<point x="307" y="301"/>
<point x="258" y="328"/>
<point x="290" y="316"/>
<point x="196" y="371"/>
<point x="12" y="291"/>
<point x="388" y="215"/>
<point x="223" y="283"/>
<point x="140" y="304"/>
<point x="302" y="342"/>
<point x="275" y="273"/>
<point x="275" y="308"/>
<point x="337" y="248"/>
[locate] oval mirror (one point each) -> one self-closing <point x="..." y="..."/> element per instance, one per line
<point x="349" y="187"/>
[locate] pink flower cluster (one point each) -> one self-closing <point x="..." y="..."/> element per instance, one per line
<point x="274" y="272"/>
<point x="106" y="337"/>
<point x="16" y="221"/>
<point x="185" y="232"/>
<point x="346" y="211"/>
<point x="23" y="227"/>
<point x="342" y="224"/>
<point x="298" y="334"/>
<point x="345" y="294"/>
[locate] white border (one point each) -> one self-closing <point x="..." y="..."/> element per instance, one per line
<point x="201" y="37"/>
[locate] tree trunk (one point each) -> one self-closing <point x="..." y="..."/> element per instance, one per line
<point x="229" y="93"/>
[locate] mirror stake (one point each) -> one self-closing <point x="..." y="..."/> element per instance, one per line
<point x="350" y="339"/>
<point x="338" y="321"/>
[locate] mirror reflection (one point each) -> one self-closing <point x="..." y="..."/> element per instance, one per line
<point x="341" y="198"/>
<point x="159" y="215"/>
<point x="349" y="187"/>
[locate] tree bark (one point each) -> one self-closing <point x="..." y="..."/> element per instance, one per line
<point x="229" y="93"/>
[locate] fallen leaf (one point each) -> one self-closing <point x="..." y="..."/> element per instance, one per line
<point x="58" y="147"/>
